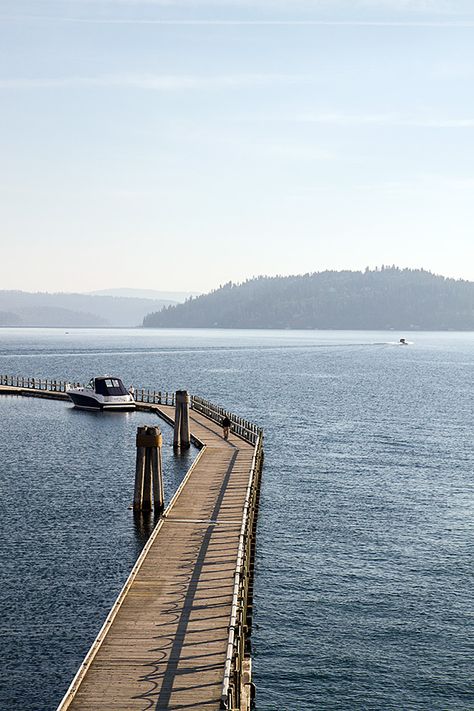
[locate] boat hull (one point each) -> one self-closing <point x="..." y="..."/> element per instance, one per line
<point x="85" y="402"/>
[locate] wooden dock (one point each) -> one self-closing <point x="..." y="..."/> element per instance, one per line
<point x="177" y="636"/>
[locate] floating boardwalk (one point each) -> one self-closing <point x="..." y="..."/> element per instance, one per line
<point x="177" y="636"/>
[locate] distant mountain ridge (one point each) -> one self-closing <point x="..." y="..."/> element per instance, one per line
<point x="170" y="296"/>
<point x="22" y="308"/>
<point x="380" y="299"/>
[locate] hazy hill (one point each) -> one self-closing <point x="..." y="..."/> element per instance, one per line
<point x="169" y="296"/>
<point x="386" y="298"/>
<point x="9" y="319"/>
<point x="52" y="316"/>
<point x="21" y="308"/>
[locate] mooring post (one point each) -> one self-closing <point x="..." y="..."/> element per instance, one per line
<point x="157" y="474"/>
<point x="147" y="482"/>
<point x="137" y="497"/>
<point x="184" y="440"/>
<point x="177" y="423"/>
<point x="181" y="422"/>
<point x="148" y="473"/>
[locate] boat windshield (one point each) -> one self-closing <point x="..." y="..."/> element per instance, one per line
<point x="109" y="386"/>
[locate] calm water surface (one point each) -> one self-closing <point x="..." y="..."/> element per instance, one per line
<point x="364" y="560"/>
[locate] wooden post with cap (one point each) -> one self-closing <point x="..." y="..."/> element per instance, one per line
<point x="148" y="473"/>
<point x="181" y="421"/>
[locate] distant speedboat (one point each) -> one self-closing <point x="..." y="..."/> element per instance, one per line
<point x="403" y="342"/>
<point x="104" y="393"/>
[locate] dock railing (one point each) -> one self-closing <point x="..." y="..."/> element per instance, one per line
<point x="46" y="384"/>
<point x="248" y="431"/>
<point x="239" y="426"/>
<point x="240" y="626"/>
<point x="153" y="397"/>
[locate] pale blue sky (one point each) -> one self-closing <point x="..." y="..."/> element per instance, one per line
<point x="182" y="144"/>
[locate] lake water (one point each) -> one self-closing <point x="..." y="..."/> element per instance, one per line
<point x="364" y="577"/>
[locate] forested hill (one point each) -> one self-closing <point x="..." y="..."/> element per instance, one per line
<point x="386" y="298"/>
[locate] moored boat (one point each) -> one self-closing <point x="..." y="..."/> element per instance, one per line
<point x="102" y="393"/>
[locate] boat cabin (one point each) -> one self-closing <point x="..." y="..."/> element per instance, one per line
<point x="108" y="386"/>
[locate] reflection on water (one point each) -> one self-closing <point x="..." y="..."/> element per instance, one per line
<point x="144" y="522"/>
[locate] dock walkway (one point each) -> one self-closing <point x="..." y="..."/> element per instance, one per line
<point x="165" y="643"/>
<point x="165" y="647"/>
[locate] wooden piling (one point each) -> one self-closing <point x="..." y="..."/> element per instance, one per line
<point x="147" y="482"/>
<point x="140" y="465"/>
<point x="156" y="464"/>
<point x="181" y="423"/>
<point x="148" y="492"/>
<point x="177" y="423"/>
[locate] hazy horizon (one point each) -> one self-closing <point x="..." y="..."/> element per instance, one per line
<point x="178" y="146"/>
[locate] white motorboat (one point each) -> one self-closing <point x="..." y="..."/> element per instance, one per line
<point x="103" y="393"/>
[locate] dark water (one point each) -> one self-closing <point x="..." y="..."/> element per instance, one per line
<point x="364" y="569"/>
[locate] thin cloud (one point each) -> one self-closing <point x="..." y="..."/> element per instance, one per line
<point x="153" y="82"/>
<point x="414" y="6"/>
<point x="443" y="123"/>
<point x="342" y="119"/>
<point x="222" y="22"/>
<point x="374" y="119"/>
<point x="388" y="13"/>
<point x="422" y="184"/>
